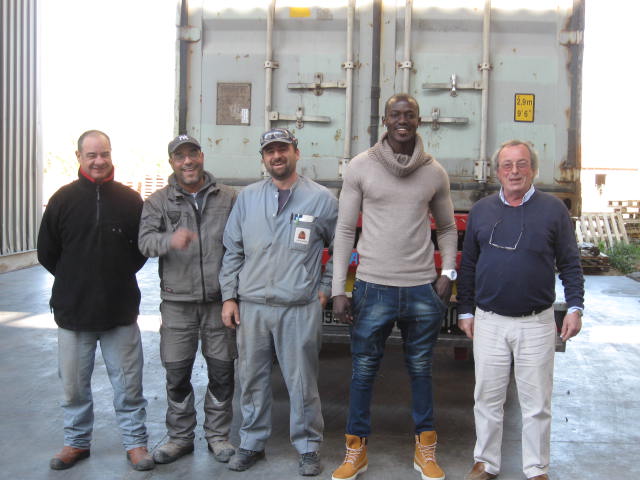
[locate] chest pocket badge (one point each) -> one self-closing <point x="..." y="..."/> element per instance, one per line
<point x="301" y="236"/>
<point x="174" y="217"/>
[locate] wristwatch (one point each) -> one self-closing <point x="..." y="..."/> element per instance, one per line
<point x="451" y="274"/>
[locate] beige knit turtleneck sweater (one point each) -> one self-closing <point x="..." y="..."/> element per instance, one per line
<point x="396" y="193"/>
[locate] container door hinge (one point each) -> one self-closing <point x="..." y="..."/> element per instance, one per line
<point x="481" y="170"/>
<point x="571" y="37"/>
<point x="189" y="34"/>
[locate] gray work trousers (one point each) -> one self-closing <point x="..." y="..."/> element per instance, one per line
<point x="294" y="333"/>
<point x="184" y="324"/>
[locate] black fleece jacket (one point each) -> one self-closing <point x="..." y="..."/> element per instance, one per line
<point x="88" y="240"/>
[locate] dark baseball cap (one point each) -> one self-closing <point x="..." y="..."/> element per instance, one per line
<point x="181" y="140"/>
<point x="277" y="135"/>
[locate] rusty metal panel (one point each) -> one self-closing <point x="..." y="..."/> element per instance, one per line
<point x="233" y="104"/>
<point x="20" y="198"/>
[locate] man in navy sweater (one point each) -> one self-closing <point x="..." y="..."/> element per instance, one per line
<point x="513" y="243"/>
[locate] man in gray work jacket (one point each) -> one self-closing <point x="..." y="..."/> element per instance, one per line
<point x="274" y="290"/>
<point x="182" y="224"/>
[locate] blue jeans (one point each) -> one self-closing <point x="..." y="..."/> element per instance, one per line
<point x="418" y="312"/>
<point x="122" y="353"/>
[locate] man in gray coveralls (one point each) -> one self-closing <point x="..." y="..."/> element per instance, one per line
<point x="273" y="291"/>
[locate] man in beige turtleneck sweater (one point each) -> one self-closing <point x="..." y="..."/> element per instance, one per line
<point x="396" y="185"/>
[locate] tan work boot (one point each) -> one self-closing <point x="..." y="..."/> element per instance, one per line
<point x="424" y="460"/>
<point x="478" y="473"/>
<point x="355" y="460"/>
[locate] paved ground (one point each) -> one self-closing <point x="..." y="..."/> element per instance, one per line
<point x="596" y="405"/>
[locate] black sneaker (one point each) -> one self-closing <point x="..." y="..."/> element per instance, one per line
<point x="244" y="459"/>
<point x="309" y="464"/>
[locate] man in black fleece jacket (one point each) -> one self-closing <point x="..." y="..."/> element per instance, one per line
<point x="88" y="241"/>
<point x="514" y="241"/>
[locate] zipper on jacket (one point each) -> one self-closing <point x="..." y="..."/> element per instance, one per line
<point x="198" y="221"/>
<point x="97" y="204"/>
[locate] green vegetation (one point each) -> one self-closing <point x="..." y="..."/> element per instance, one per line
<point x="625" y="258"/>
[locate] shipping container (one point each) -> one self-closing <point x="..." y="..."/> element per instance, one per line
<point x="483" y="72"/>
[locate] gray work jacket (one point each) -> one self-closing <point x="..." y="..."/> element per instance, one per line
<point x="275" y="258"/>
<point x="189" y="275"/>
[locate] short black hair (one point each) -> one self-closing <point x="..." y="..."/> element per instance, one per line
<point x="400" y="97"/>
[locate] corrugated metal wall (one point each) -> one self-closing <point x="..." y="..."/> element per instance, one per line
<point x="20" y="198"/>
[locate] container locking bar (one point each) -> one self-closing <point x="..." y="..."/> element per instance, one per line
<point x="453" y="86"/>
<point x="435" y="119"/>
<point x="300" y="118"/>
<point x="318" y="85"/>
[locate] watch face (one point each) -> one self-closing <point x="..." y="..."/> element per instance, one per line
<point x="451" y="274"/>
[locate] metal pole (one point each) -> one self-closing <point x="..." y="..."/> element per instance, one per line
<point x="269" y="65"/>
<point x="348" y="66"/>
<point x="374" y="119"/>
<point x="481" y="166"/>
<point x="407" y="64"/>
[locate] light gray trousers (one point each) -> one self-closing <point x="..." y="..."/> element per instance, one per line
<point x="294" y="333"/>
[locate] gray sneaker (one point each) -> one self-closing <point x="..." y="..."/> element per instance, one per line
<point x="244" y="459"/>
<point x="309" y="464"/>
<point x="171" y="451"/>
<point x="222" y="450"/>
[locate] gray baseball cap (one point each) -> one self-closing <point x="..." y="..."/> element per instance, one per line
<point x="277" y="135"/>
<point x="181" y="140"/>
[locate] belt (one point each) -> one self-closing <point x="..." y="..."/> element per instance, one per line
<point x="528" y="313"/>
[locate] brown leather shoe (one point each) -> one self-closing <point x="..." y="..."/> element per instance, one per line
<point x="478" y="473"/>
<point x="67" y="457"/>
<point x="544" y="476"/>
<point x="140" y="459"/>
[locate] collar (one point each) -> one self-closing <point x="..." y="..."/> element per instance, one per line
<point x="526" y="198"/>
<point x="83" y="174"/>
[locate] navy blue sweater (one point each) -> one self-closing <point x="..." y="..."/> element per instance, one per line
<point x="516" y="282"/>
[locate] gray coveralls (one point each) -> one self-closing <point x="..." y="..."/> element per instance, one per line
<point x="191" y="307"/>
<point x="272" y="266"/>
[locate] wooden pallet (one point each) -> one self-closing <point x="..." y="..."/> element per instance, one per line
<point x="624" y="203"/>
<point x="633" y="228"/>
<point x="597" y="264"/>
<point x="607" y="228"/>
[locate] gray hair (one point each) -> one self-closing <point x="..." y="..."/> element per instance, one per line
<point x="514" y="143"/>
<point x="90" y="133"/>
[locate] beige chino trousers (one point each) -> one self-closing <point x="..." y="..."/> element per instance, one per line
<point x="530" y="340"/>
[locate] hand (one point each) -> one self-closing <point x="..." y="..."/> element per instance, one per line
<point x="466" y="325"/>
<point x="324" y="298"/>
<point x="230" y="314"/>
<point x="571" y="325"/>
<point x="182" y="238"/>
<point x="342" y="309"/>
<point x="443" y="287"/>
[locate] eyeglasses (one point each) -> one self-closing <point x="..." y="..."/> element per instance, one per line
<point x="193" y="155"/>
<point x="504" y="247"/>
<point x="520" y="165"/>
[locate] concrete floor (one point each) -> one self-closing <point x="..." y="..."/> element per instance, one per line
<point x="596" y="404"/>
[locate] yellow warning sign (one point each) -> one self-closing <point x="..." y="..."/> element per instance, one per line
<point x="524" y="107"/>
<point x="299" y="12"/>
